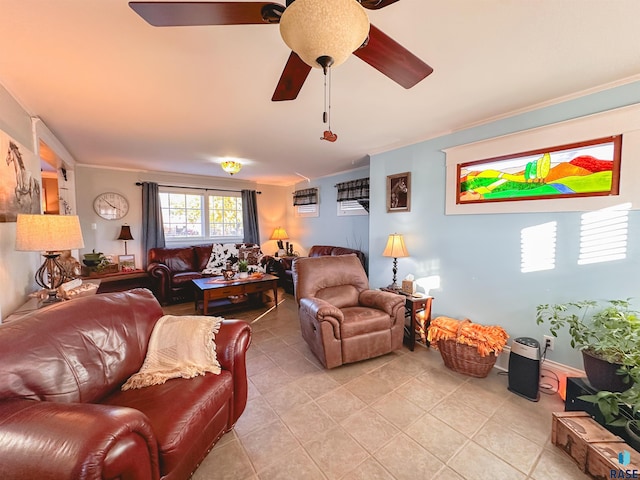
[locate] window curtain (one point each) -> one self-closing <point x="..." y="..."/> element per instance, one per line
<point x="250" y="217"/>
<point x="152" y="229"/>
<point x="355" y="190"/>
<point x="308" y="196"/>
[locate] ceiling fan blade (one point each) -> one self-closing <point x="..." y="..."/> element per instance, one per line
<point x="389" y="57"/>
<point x="293" y="77"/>
<point x="376" y="4"/>
<point x="180" y="14"/>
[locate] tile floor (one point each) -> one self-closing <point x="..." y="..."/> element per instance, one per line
<point x="400" y="416"/>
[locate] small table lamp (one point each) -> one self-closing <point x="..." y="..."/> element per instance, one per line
<point x="395" y="248"/>
<point x="280" y="234"/>
<point x="51" y="234"/>
<point x="125" y="234"/>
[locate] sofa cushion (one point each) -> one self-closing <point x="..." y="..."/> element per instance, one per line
<point x="363" y="320"/>
<point x="176" y="259"/>
<point x="77" y="361"/>
<point x="179" y="409"/>
<point x="184" y="279"/>
<point x="202" y="255"/>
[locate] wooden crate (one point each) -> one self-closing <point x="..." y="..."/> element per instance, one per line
<point x="603" y="461"/>
<point x="572" y="432"/>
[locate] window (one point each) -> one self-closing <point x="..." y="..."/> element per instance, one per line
<point x="351" y="207"/>
<point x="306" y="202"/>
<point x="193" y="214"/>
<point x="353" y="197"/>
<point x="225" y="216"/>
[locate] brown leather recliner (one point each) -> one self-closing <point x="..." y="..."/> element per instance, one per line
<point x="341" y="319"/>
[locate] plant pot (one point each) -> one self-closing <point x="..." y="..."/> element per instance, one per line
<point x="602" y="374"/>
<point x="243" y="274"/>
<point x="632" y="429"/>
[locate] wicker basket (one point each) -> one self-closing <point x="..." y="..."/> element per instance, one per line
<point x="465" y="358"/>
<point x="461" y="357"/>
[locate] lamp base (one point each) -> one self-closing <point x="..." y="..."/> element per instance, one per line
<point x="51" y="298"/>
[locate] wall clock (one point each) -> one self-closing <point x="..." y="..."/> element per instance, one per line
<point x="111" y="206"/>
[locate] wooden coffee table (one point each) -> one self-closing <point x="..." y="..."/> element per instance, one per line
<point x="216" y="288"/>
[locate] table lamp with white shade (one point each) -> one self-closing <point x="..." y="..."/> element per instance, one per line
<point x="50" y="234"/>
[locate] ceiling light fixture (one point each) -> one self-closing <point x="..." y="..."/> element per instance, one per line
<point x="330" y="28"/>
<point x="231" y="166"/>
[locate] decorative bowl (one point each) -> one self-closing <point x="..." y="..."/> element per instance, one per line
<point x="228" y="274"/>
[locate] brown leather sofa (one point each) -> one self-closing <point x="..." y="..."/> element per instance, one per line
<point x="63" y="415"/>
<point x="172" y="269"/>
<point x="283" y="267"/>
<point x="341" y="319"/>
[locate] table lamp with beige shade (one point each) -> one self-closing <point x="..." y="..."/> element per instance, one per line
<point x="50" y="234"/>
<point x="395" y="248"/>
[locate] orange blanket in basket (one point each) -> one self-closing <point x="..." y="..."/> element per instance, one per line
<point x="487" y="339"/>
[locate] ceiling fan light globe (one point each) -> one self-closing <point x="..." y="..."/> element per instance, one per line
<point x="317" y="28"/>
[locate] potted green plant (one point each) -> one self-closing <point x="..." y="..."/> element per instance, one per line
<point x="243" y="268"/>
<point x="608" y="336"/>
<point x="620" y="409"/>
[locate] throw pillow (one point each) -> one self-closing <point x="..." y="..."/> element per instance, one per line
<point x="253" y="256"/>
<point x="221" y="255"/>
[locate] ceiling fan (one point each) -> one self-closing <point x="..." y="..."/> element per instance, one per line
<point x="320" y="33"/>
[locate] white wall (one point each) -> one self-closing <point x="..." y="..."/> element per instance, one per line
<point x="16" y="268"/>
<point x="477" y="257"/>
<point x="328" y="228"/>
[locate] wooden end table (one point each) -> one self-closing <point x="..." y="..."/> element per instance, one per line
<point x="216" y="288"/>
<point x="120" y="281"/>
<point x="413" y="305"/>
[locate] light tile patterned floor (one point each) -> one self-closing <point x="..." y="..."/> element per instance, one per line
<point x="400" y="416"/>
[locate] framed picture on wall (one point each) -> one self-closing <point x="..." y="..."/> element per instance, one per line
<point x="399" y="192"/>
<point x="127" y="263"/>
<point x="19" y="184"/>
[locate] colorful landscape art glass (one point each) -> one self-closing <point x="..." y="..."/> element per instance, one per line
<point x="582" y="169"/>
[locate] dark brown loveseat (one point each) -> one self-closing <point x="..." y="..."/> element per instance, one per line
<point x="172" y="269"/>
<point x="63" y="415"/>
<point x="283" y="267"/>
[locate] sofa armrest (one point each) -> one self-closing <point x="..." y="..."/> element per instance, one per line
<point x="271" y="264"/>
<point x="48" y="440"/>
<point x="287" y="262"/>
<point x="322" y="311"/>
<point x="386" y="301"/>
<point x="232" y="341"/>
<point x="161" y="279"/>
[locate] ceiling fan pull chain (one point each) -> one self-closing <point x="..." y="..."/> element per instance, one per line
<point x="325" y="115"/>
<point x="328" y="94"/>
<point x="326" y="62"/>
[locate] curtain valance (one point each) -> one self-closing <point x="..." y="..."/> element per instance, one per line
<point x="308" y="196"/>
<point x="353" y="190"/>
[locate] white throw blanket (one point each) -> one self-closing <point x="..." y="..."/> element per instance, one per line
<point x="180" y="347"/>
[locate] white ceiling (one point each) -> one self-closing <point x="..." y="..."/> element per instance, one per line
<point x="118" y="92"/>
